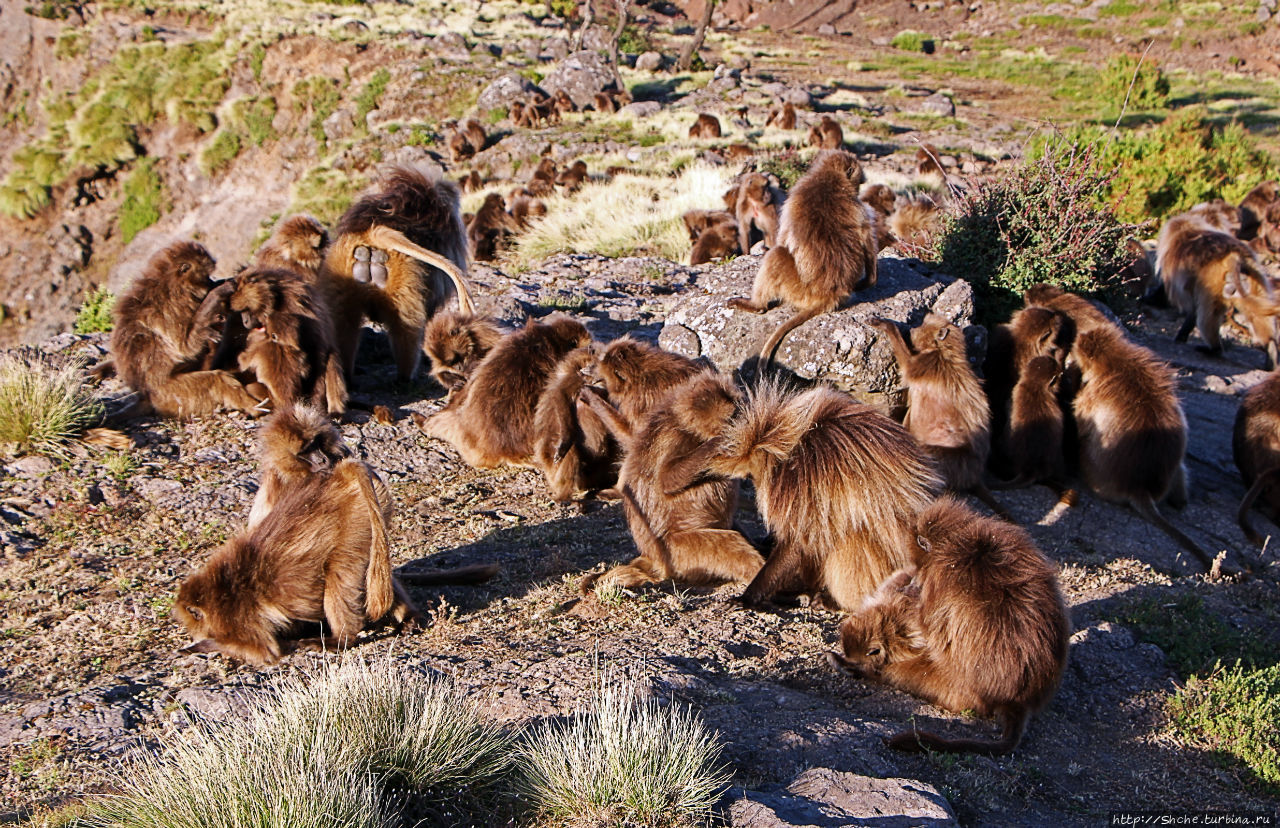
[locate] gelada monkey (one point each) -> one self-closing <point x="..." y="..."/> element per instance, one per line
<point x="318" y="552"/>
<point x="826" y="250"/>
<point x="783" y="117"/>
<point x="707" y="126"/>
<point x="1255" y="445"/>
<point x="947" y="411"/>
<point x="1253" y="208"/>
<point x="167" y="325"/>
<point x="491" y="420"/>
<point x="1034" y="439"/>
<point x="682" y="526"/>
<point x="1210" y="275"/>
<point x="384" y="265"/>
<point x="637" y="376"/>
<point x="1133" y="435"/>
<point x="756" y="208"/>
<point x="456" y="342"/>
<point x="572" y="445"/>
<point x="826" y="134"/>
<point x="837" y="484"/>
<point x="290" y="345"/>
<point x="975" y="623"/>
<point x="717" y="241"/>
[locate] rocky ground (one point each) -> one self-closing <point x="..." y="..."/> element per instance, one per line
<point x="95" y="547"/>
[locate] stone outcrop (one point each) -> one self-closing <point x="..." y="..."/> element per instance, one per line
<point x="824" y="798"/>
<point x="838" y="347"/>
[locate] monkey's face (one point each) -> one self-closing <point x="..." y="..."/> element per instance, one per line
<point x="192" y="263"/>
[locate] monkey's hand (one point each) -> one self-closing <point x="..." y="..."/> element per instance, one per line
<point x="881" y="323"/>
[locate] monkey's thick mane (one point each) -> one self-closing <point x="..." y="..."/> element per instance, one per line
<point x="413" y="201"/>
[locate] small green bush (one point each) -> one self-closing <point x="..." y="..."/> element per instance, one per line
<point x="1150" y="86"/>
<point x="626" y="761"/>
<point x="1167" y="169"/>
<point x="253" y="117"/>
<point x="912" y="41"/>
<point x="143" y="197"/>
<point x="787" y="165"/>
<point x="367" y="100"/>
<point x="634" y="40"/>
<point x="1039" y="222"/>
<point x="325" y="193"/>
<point x="1235" y="713"/>
<point x="221" y="152"/>
<point x="43" y="405"/>
<point x="94" y="315"/>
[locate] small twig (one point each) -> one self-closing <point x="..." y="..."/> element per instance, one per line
<point x="1128" y="92"/>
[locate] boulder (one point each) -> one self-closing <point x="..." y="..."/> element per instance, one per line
<point x="581" y="76"/>
<point x="641" y="109"/>
<point x="649" y="62"/>
<point x="452" y="45"/>
<point x="504" y="91"/>
<point x="938" y="104"/>
<point x="838" y="347"/>
<point x="597" y="39"/>
<point x="824" y="798"/>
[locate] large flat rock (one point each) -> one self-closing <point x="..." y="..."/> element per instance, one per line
<point x="824" y="798"/>
<point x="839" y="348"/>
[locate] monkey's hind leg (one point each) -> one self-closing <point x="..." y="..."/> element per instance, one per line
<point x="203" y="392"/>
<point x="714" y="555"/>
<point x="777" y="267"/>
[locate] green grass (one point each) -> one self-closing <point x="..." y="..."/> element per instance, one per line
<point x="253" y="116"/>
<point x="367" y="100"/>
<point x="221" y="152"/>
<point x="626" y="761"/>
<point x="94" y="315"/>
<point x="43" y="406"/>
<point x="910" y="41"/>
<point x="338" y="748"/>
<point x="320" y="97"/>
<point x="1193" y="637"/>
<point x="325" y="193"/>
<point x="143" y="198"/>
<point x="1235" y="713"/>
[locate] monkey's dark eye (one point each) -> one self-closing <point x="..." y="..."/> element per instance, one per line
<point x="196" y="613"/>
<point x="873" y="652"/>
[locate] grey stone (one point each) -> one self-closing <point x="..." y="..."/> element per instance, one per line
<point x="826" y="29"/>
<point x="597" y="38"/>
<point x="797" y="97"/>
<point x="581" y="75"/>
<point x="839" y="348"/>
<point x="824" y="798"/>
<point x="101" y="718"/>
<point x="649" y="62"/>
<point x="339" y="125"/>
<point x="504" y="91"/>
<point x="32" y="465"/>
<point x="938" y="104"/>
<point x="739" y="62"/>
<point x="1107" y="653"/>
<point x="452" y="45"/>
<point x="1263" y="15"/>
<point x="642" y="109"/>
<point x="72" y="244"/>
<point x="215" y="705"/>
<point x="154" y="490"/>
<point x="555" y="48"/>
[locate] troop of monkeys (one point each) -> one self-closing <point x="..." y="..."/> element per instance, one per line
<point x="954" y="606"/>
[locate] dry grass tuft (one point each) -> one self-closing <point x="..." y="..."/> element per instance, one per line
<point x="323" y="750"/>
<point x="627" y="761"/>
<point x="630" y="215"/>
<point x="44" y="405"/>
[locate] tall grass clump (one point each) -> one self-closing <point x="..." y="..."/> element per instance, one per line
<point x="94" y="315"/>
<point x="143" y="195"/>
<point x="1235" y="713"/>
<point x="1040" y="222"/>
<point x="338" y="748"/>
<point x="626" y="761"/>
<point x="43" y="405"/>
<point x="630" y="215"/>
<point x="1159" y="171"/>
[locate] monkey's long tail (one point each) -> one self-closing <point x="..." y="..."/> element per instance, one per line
<point x="458" y="576"/>
<point x="383" y="236"/>
<point x="379" y="594"/>
<point x="1146" y="507"/>
<point x="1242" y="516"/>
<point x="1013" y="725"/>
<point x="766" y="353"/>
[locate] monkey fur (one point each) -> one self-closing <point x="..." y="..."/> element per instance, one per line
<point x="826" y="134"/>
<point x="975" y="624"/>
<point x="707" y="126"/>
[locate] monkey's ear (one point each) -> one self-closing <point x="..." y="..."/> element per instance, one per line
<point x="942" y="332"/>
<point x="1229" y="290"/>
<point x="923" y="543"/>
<point x="204" y="645"/>
<point x="318" y="461"/>
<point x="196" y="613"/>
